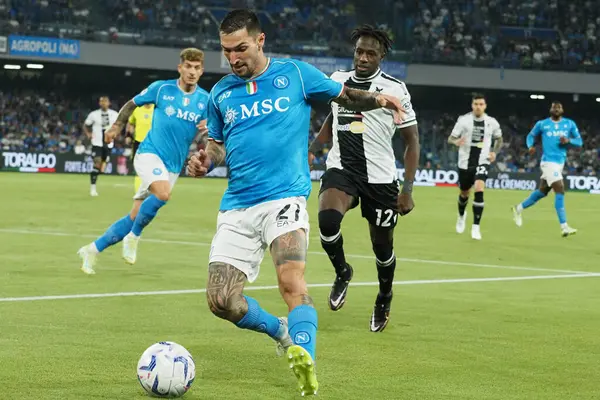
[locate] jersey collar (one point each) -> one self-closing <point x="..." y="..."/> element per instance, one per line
<point x="261" y="72"/>
<point x="369" y="78"/>
<point x="183" y="91"/>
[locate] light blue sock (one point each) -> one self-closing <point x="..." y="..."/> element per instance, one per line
<point x="115" y="233"/>
<point x="559" y="205"/>
<point x="147" y="212"/>
<point x="303" y="323"/>
<point x="257" y="319"/>
<point x="533" y="198"/>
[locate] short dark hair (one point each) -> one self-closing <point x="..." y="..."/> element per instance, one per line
<point x="556" y="102"/>
<point x="240" y="19"/>
<point x="104" y="96"/>
<point x="478" y="96"/>
<point x="378" y="34"/>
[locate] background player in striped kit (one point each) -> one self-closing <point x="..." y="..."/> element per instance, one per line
<point x="361" y="168"/>
<point x="478" y="138"/>
<point x="95" y="126"/>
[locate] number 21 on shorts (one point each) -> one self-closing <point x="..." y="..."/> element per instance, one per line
<point x="384" y="217"/>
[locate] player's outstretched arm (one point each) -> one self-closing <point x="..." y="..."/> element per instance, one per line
<point x="456" y="138"/>
<point x="323" y="137"/>
<point x="361" y="100"/>
<point x="411" y="162"/>
<point x="121" y="121"/>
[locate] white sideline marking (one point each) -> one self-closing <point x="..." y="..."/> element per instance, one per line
<point x="361" y="256"/>
<point x="316" y="285"/>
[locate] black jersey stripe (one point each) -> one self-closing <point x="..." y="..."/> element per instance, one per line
<point x="390" y="78"/>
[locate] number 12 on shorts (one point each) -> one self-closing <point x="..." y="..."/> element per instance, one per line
<point x="384" y="217"/>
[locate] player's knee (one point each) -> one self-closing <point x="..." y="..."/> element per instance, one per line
<point x="464" y="193"/>
<point x="330" y="222"/>
<point x="163" y="195"/>
<point x="383" y="244"/>
<point x="225" y="305"/>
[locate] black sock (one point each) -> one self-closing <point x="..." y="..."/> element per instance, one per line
<point x="335" y="251"/>
<point x="462" y="204"/>
<point x="94" y="176"/>
<point x="385" y="273"/>
<point x="477" y="207"/>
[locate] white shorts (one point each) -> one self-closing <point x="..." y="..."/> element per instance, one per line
<point x="244" y="234"/>
<point x="150" y="168"/>
<point x="551" y="172"/>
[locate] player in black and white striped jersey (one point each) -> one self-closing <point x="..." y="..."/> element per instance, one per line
<point x="361" y="168"/>
<point x="96" y="123"/>
<point x="478" y="138"/>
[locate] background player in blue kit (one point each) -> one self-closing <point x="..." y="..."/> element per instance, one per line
<point x="557" y="134"/>
<point x="259" y="120"/>
<point x="179" y="115"/>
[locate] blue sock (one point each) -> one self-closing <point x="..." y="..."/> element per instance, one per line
<point x="257" y="319"/>
<point x="559" y="205"/>
<point x="147" y="212"/>
<point x="533" y="198"/>
<point x="302" y="321"/>
<point x="115" y="233"/>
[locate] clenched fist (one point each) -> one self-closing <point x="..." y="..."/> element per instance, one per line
<point x="199" y="164"/>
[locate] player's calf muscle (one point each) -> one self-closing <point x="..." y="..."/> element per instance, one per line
<point x="224" y="292"/>
<point x="288" y="247"/>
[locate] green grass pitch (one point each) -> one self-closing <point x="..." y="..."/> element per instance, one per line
<point x="511" y="317"/>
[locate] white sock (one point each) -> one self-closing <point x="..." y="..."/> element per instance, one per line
<point x="93" y="248"/>
<point x="94" y="186"/>
<point x="564" y="226"/>
<point x="519" y="208"/>
<point x="133" y="235"/>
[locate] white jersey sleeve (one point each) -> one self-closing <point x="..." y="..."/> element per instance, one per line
<point x="459" y="128"/>
<point x="89" y="121"/>
<point x="496" y="130"/>
<point x="410" y="114"/>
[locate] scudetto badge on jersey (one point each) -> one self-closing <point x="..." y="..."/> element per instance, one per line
<point x="186" y="101"/>
<point x="251" y="88"/>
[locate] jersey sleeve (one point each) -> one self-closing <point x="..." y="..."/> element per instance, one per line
<point x="496" y="130"/>
<point x="89" y="121"/>
<point x="148" y="95"/>
<point x="316" y="85"/>
<point x="535" y="132"/>
<point x="410" y="115"/>
<point x="458" y="129"/>
<point x="574" y="135"/>
<point x="215" y="120"/>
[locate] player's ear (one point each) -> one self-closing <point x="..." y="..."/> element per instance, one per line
<point x="260" y="40"/>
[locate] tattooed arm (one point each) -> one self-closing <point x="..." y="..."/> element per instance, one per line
<point x="121" y="121"/>
<point x="360" y="100"/>
<point x="224" y="292"/>
<point x="203" y="161"/>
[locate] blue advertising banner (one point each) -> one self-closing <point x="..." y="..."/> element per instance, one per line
<point x="43" y="47"/>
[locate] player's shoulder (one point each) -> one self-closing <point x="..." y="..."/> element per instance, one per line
<point x="491" y="119"/>
<point x="201" y="92"/>
<point x="466" y="116"/>
<point x="224" y="83"/>
<point x="393" y="84"/>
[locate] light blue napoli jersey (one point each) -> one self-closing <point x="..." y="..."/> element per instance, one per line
<point x="174" y="125"/>
<point x="264" y="126"/>
<point x="551" y="132"/>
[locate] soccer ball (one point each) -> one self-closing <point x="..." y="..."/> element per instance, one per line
<point x="166" y="369"/>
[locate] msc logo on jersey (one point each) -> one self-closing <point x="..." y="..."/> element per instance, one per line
<point x="281" y="82"/>
<point x="258" y="108"/>
<point x="184" y="115"/>
<point x="230" y="116"/>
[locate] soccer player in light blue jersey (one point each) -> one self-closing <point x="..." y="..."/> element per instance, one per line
<point x="179" y="115"/>
<point x="258" y="120"/>
<point x="557" y="133"/>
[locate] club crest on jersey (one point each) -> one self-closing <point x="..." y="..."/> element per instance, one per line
<point x="281" y="82"/>
<point x="251" y="88"/>
<point x="201" y="106"/>
<point x="186" y="101"/>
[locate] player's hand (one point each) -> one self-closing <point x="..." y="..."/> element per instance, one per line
<point x="461" y="142"/>
<point x="198" y="164"/>
<point x="111" y="133"/>
<point x="202" y="127"/>
<point x="392" y="103"/>
<point x="405" y="203"/>
<point x="492" y="156"/>
<point x="564" y="140"/>
<point x="531" y="151"/>
<point x="311" y="159"/>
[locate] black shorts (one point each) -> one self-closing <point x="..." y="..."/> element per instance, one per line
<point x="467" y="177"/>
<point x="102" y="152"/>
<point x="378" y="201"/>
<point x="135" y="147"/>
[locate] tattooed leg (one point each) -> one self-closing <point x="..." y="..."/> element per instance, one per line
<point x="226" y="300"/>
<point x="289" y="255"/>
